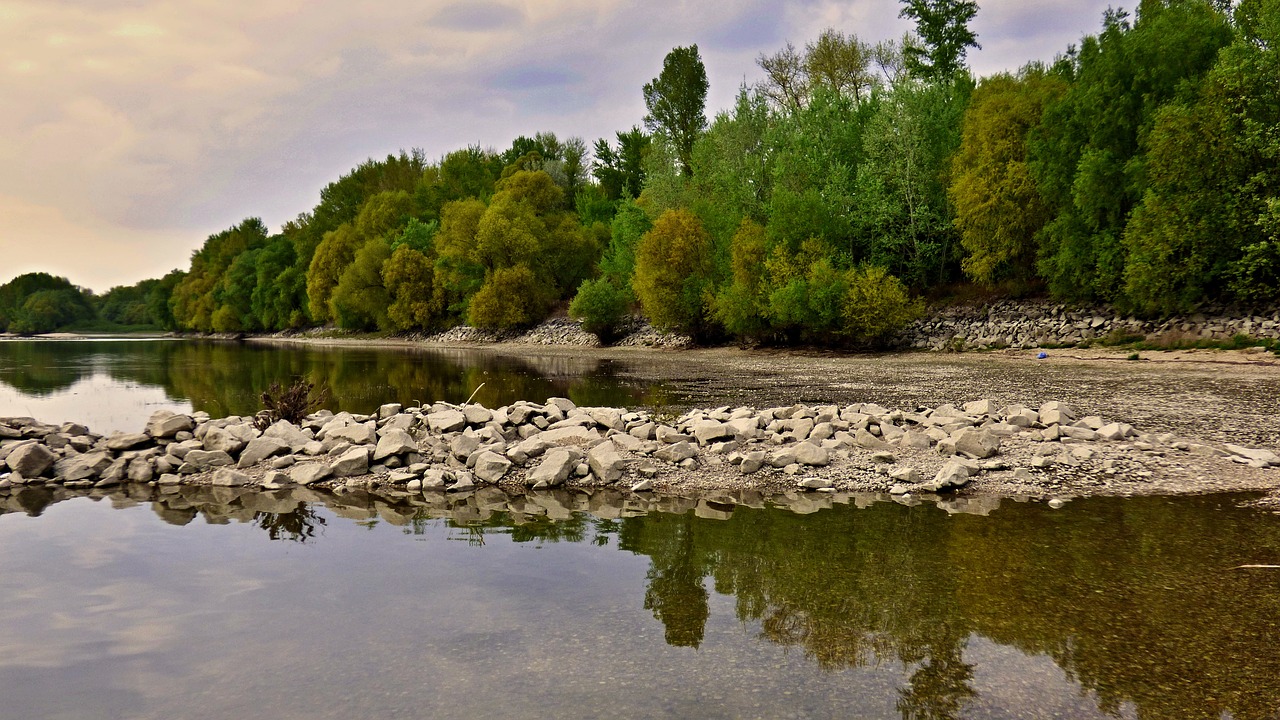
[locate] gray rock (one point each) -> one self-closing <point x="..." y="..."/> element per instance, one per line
<point x="783" y="458"/>
<point x="205" y="459"/>
<point x="140" y="470"/>
<point x="806" y="453"/>
<point x="816" y="483"/>
<point x="394" y="442"/>
<point x="905" y="475"/>
<point x="554" y="469"/>
<point x="361" y="434"/>
<point x="1258" y="457"/>
<point x="864" y="439"/>
<point x="676" y="453"/>
<point x="709" y="431"/>
<point x="127" y="441"/>
<point x="490" y="467"/>
<point x="404" y="476"/>
<point x="446" y="421"/>
<point x="288" y="433"/>
<point x="1077" y="433"/>
<point x="976" y="443"/>
<point x="899" y="489"/>
<point x="389" y="410"/>
<point x="352" y="462"/>
<point x="166" y="424"/>
<point x="670" y="435"/>
<point x="645" y="485"/>
<point x="310" y="472"/>
<point x="643" y="431"/>
<point x="434" y="479"/>
<point x="83" y="467"/>
<point x="223" y="440"/>
<point x="752" y="462"/>
<point x="464" y="445"/>
<point x="259" y="449"/>
<point x="885" y="457"/>
<point x="477" y="414"/>
<point x="952" y="475"/>
<point x="605" y="462"/>
<point x="572" y="435"/>
<point x="462" y="481"/>
<point x="230" y="478"/>
<point x="30" y="460"/>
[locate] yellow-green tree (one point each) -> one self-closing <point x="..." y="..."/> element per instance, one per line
<point x="997" y="203"/>
<point x="674" y="272"/>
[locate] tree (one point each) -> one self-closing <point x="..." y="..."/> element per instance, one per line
<point x="676" y="101"/>
<point x="997" y="203"/>
<point x="409" y="278"/>
<point x="673" y="272"/>
<point x="836" y="62"/>
<point x="620" y="170"/>
<point x="943" y="29"/>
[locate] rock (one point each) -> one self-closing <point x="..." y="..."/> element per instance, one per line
<point x="979" y="407"/>
<point x="389" y="410"/>
<point x="816" y="483"/>
<point x="554" y="469"/>
<point x="434" y="479"/>
<point x="394" y="442"/>
<point x="166" y="424"/>
<point x="643" y="431"/>
<point x="352" y="462"/>
<point x="169" y="479"/>
<point x="205" y="459"/>
<point x="355" y="434"/>
<point x="806" y="453"/>
<point x="275" y="479"/>
<point x="490" y="466"/>
<point x="1040" y="462"/>
<point x="676" y="453"/>
<point x="627" y="443"/>
<point x="783" y="458"/>
<point x="230" y="478"/>
<point x="1077" y="433"/>
<point x="1023" y="475"/>
<point x="462" y="482"/>
<point x="952" y="475"/>
<point x="310" y="472"/>
<point x="288" y="433"/>
<point x="864" y="439"/>
<point x="477" y="414"/>
<point x="605" y="462"/>
<point x="1256" y="456"/>
<point x="752" y="462"/>
<point x="127" y="441"/>
<point x="887" y="458"/>
<point x="572" y="435"/>
<point x="1114" y="431"/>
<point x="446" y="421"/>
<point x="899" y="489"/>
<point x="259" y="449"/>
<point x="400" y="477"/>
<point x="1056" y="503"/>
<point x="82" y="467"/>
<point x="905" y="475"/>
<point x="564" y="405"/>
<point x="709" y="431"/>
<point x="1056" y="413"/>
<point x="916" y="439"/>
<point x="976" y="443"/>
<point x="30" y="460"/>
<point x="140" y="470"/>
<point x="642" y="486"/>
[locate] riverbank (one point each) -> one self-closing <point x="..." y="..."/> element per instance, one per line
<point x="981" y="448"/>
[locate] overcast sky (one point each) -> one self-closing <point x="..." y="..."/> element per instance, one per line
<point x="130" y="130"/>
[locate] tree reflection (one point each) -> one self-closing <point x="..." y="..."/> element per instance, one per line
<point x="296" y="526"/>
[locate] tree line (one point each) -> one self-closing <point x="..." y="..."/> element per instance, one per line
<point x="1141" y="169"/>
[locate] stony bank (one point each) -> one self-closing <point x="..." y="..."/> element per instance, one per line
<point x="976" y="448"/>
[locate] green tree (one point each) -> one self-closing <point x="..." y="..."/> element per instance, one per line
<point x="741" y="306"/>
<point x="511" y="297"/>
<point x="673" y="273"/>
<point x="943" y="29"/>
<point x="409" y="278"/>
<point x="620" y="169"/>
<point x="998" y="207"/>
<point x="676" y="102"/>
<point x="360" y="300"/>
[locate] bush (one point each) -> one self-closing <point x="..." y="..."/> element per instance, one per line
<point x="877" y="306"/>
<point x="603" y="307"/>
<point x="290" y="404"/>
<point x="510" y="298"/>
<point x="673" y="272"/>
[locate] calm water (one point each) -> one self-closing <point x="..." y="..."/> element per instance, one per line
<point x="115" y="385"/>
<point x="217" y="604"/>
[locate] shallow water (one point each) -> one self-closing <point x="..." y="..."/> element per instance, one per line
<point x="214" y="603"/>
<point x="114" y="385"/>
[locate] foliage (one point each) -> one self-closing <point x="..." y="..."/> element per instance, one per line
<point x="673" y="272"/>
<point x="620" y="169"/>
<point x="877" y="306"/>
<point x="676" y="101"/>
<point x="603" y="307"/>
<point x="833" y="62"/>
<point x="511" y="297"/>
<point x="409" y="279"/>
<point x="943" y="29"/>
<point x="291" y="404"/>
<point x="998" y="207"/>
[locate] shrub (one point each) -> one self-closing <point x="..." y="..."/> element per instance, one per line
<point x="673" y="272"/>
<point x="290" y="404"/>
<point x="602" y="306"/>
<point x="510" y="298"/>
<point x="877" y="305"/>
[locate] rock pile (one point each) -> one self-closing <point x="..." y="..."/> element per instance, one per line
<point x="453" y="448"/>
<point x="562" y="331"/>
<point x="1023" y="324"/>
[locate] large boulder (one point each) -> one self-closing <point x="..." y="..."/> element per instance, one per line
<point x="394" y="442"/>
<point x="30" y="460"/>
<point x="555" y="468"/>
<point x="205" y="459"/>
<point x="352" y="462"/>
<point x="605" y="462"/>
<point x="127" y="441"/>
<point x="166" y="424"/>
<point x="572" y="435"/>
<point x="289" y="433"/>
<point x="309" y="472"/>
<point x="806" y="453"/>
<point x="227" y="477"/>
<point x="361" y="434"/>
<point x="446" y="421"/>
<point x="976" y="443"/>
<point x="490" y="466"/>
<point x="260" y="449"/>
<point x="82" y="467"/>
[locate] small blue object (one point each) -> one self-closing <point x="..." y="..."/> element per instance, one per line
<point x="1042" y="356"/>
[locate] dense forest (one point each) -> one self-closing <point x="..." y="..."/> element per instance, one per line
<point x="1140" y="169"/>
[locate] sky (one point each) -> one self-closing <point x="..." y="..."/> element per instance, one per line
<point x="131" y="130"/>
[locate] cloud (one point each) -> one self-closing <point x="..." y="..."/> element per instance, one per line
<point x="477" y="17"/>
<point x="143" y="121"/>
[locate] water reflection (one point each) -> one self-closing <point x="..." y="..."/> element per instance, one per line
<point x="226" y="378"/>
<point x="1134" y="600"/>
